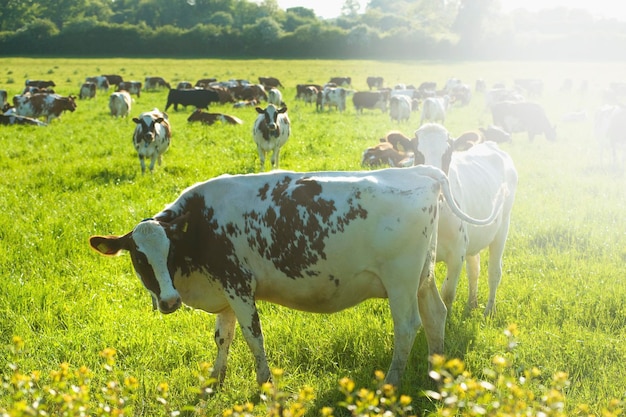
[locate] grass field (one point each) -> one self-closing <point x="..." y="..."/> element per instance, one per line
<point x="564" y="283"/>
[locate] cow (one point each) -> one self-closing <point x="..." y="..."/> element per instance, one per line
<point x="275" y="97"/>
<point x="14" y="119"/>
<point x="318" y="242"/>
<point x="210" y="118"/>
<point x="341" y="81"/>
<point x="310" y="95"/>
<point x="205" y="82"/>
<point x="374" y="82"/>
<point x="224" y="94"/>
<point x="334" y="97"/>
<point x="385" y="153"/>
<point x="245" y="103"/>
<point x="30" y="89"/>
<point x="120" y="103"/>
<point x="249" y="92"/>
<point x="133" y="87"/>
<point x="40" y="83"/>
<point x="151" y="137"/>
<point x="192" y="97"/>
<point x="302" y="88"/>
<point x="4" y="96"/>
<point x="434" y="109"/>
<point x="271" y="131"/>
<point x="152" y="83"/>
<point x="269" y="82"/>
<point x="616" y="134"/>
<point x="100" y="81"/>
<point x="87" y="90"/>
<point x="478" y="176"/>
<point x="495" y="134"/>
<point x="531" y="86"/>
<point x="50" y="106"/>
<point x="525" y="116"/>
<point x="400" y="108"/>
<point x="113" y="79"/>
<point x="370" y="100"/>
<point x="184" y="85"/>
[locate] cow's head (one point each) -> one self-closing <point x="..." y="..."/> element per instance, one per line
<point x="270" y="126"/>
<point x="433" y="146"/>
<point x="146" y="131"/>
<point x="149" y="247"/>
<point x="69" y="103"/>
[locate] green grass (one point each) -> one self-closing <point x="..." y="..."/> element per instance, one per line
<point x="563" y="284"/>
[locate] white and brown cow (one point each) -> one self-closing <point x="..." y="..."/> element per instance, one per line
<point x="271" y="131"/>
<point x="210" y="118"/>
<point x="133" y="87"/>
<point x="318" y="242"/>
<point x="334" y="97"/>
<point x="152" y="83"/>
<point x="478" y="176"/>
<point x="49" y="106"/>
<point x="151" y="137"/>
<point x="100" y="81"/>
<point x="120" y="103"/>
<point x="13" y="119"/>
<point x="87" y="90"/>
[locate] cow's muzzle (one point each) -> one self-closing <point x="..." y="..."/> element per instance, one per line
<point x="170" y="305"/>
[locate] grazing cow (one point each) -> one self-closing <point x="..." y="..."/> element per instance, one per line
<point x="384" y="153"/>
<point x="427" y="86"/>
<point x="370" y="100"/>
<point x="133" y="87"/>
<point x="478" y="176"/>
<point x="319" y="242"/>
<point x="211" y="118"/>
<point x="120" y="103"/>
<point x="113" y="79"/>
<point x="334" y="96"/>
<point x="14" y="119"/>
<point x="375" y="82"/>
<point x="87" y="90"/>
<point x="271" y="131"/>
<point x="302" y="88"/>
<point x="152" y="83"/>
<point x="249" y="92"/>
<point x="151" y="137"/>
<point x="100" y="81"/>
<point x="40" y="83"/>
<point x="269" y="82"/>
<point x="434" y="109"/>
<point x="515" y="117"/>
<point x="275" y="97"/>
<point x="400" y="108"/>
<point x="224" y="94"/>
<point x="616" y="134"/>
<point x="192" y="97"/>
<point x="49" y="106"/>
<point x="341" y="81"/>
<point x="310" y="95"/>
<point x="184" y="85"/>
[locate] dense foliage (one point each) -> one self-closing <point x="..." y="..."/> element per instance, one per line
<point x="401" y="29"/>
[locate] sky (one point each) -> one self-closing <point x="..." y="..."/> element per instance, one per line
<point x="598" y="8"/>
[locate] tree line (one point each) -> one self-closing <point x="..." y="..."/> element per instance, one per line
<point x="385" y="29"/>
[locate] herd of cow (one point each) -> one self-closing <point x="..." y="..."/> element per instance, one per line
<point x="325" y="241"/>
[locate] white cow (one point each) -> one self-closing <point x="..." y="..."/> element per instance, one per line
<point x="151" y="137"/>
<point x="400" y="108"/>
<point x="275" y="97"/>
<point x="603" y="120"/>
<point x="477" y="176"/>
<point x="334" y="97"/>
<point x="318" y="242"/>
<point x="434" y="109"/>
<point x="271" y="131"/>
<point x="120" y="103"/>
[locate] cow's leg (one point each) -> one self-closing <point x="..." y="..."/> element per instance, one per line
<point x="275" y="157"/>
<point x="472" y="269"/>
<point x="448" y="288"/>
<point x="496" y="250"/>
<point x="248" y="318"/>
<point x="432" y="310"/>
<point x="224" y="334"/>
<point x="143" y="164"/>
<point x="261" y="156"/>
<point x="152" y="162"/>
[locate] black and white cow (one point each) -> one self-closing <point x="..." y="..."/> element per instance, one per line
<point x="478" y="176"/>
<point x="271" y="131"/>
<point x="523" y="116"/>
<point x="151" y="137"/>
<point x="318" y="242"/>
<point x="87" y="90"/>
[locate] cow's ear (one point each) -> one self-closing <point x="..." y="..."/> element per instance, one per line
<point x="259" y="110"/>
<point x="282" y="110"/>
<point x="178" y="227"/>
<point x="136" y="120"/>
<point x="110" y="245"/>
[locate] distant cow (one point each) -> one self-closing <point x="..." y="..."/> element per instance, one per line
<point x="120" y="103"/>
<point x="400" y="108"/>
<point x="100" y="81"/>
<point x="334" y="97"/>
<point x="133" y="87"/>
<point x="495" y="134"/>
<point x="250" y="92"/>
<point x="374" y="82"/>
<point x="87" y="90"/>
<point x="271" y="131"/>
<point x="370" y="100"/>
<point x="275" y="97"/>
<point x="40" y="83"/>
<point x="152" y="83"/>
<point x="193" y="97"/>
<point x="310" y="95"/>
<point x="49" y="106"/>
<point x="269" y="82"/>
<point x="483" y="179"/>
<point x="341" y="81"/>
<point x="184" y="85"/>
<point x="434" y="109"/>
<point x="113" y="79"/>
<point x="205" y="82"/>
<point x="384" y="153"/>
<point x="515" y="117"/>
<point x="210" y="118"/>
<point x="302" y="88"/>
<point x="14" y="119"/>
<point x="3" y="98"/>
<point x="151" y="137"/>
<point x="616" y="135"/>
<point x="318" y="242"/>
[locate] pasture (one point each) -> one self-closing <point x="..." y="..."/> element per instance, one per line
<point x="564" y="282"/>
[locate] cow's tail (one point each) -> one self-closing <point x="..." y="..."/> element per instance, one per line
<point x="442" y="178"/>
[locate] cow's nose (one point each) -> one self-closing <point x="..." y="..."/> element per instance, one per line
<point x="170" y="305"/>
